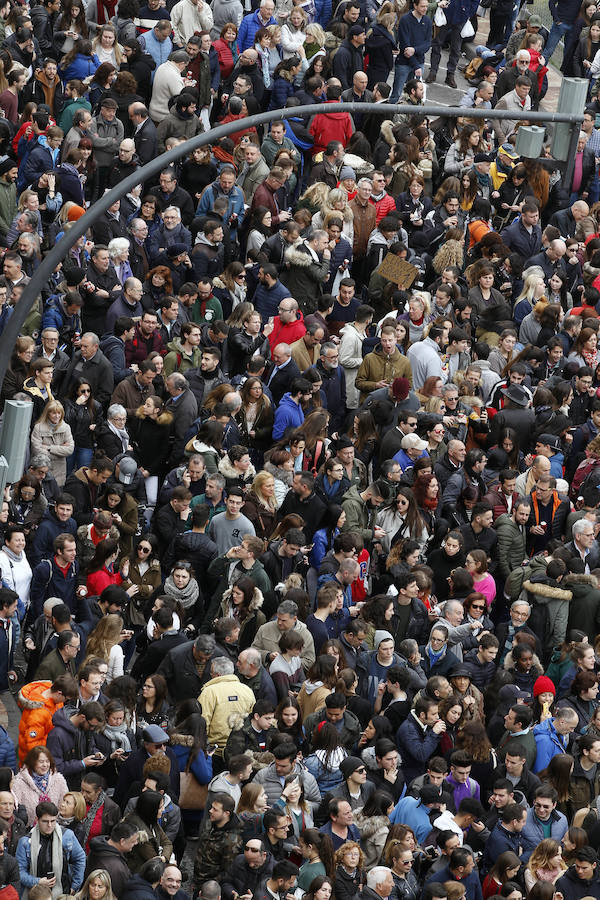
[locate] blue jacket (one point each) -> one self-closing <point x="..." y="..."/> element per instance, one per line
<point x="533" y="832"/>
<point x="564" y="10"/>
<point x="114" y="350"/>
<point x="459" y="11"/>
<point x="49" y="529"/>
<point x="471" y="883"/>
<point x="322" y="12"/>
<point x="416" y="746"/>
<point x="8" y="757"/>
<point x="287" y="415"/>
<point x="81" y="67"/>
<point x="163" y="238"/>
<point x="266" y="301"/>
<point x="48" y="581"/>
<point x="417" y="34"/>
<point x="40" y="160"/>
<point x="235" y="200"/>
<point x="282" y="89"/>
<point x="158" y="50"/>
<point x="499" y="841"/>
<point x="410" y="811"/>
<point x="54" y="316"/>
<point x="248" y="28"/>
<point x="5" y="315"/>
<point x="548" y="744"/>
<point x="201" y="768"/>
<point x="327" y="779"/>
<point x="518" y="239"/>
<point x="73" y="855"/>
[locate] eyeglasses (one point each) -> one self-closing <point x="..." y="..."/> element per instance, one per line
<point x="253" y="849"/>
<point x="476" y="606"/>
<point x="149" y="550"/>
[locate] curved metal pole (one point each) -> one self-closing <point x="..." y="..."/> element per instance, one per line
<point x="59" y="251"/>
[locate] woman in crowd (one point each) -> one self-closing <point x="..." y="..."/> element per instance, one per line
<point x="38" y="780"/>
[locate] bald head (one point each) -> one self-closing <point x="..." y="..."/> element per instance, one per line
<point x="541" y="466"/>
<point x="557" y="249"/>
<point x="580" y="209"/>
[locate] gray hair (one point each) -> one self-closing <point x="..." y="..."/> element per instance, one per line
<point x="218" y="479"/>
<point x="49" y="329"/>
<point x="50" y="603"/>
<point x="377" y="875"/>
<point x="173" y="209"/>
<point x="40" y="460"/>
<point x="288" y="608"/>
<point x="221" y="666"/>
<point x="580" y="525"/>
<point x="365" y="182"/>
<point x="285" y="349"/>
<point x="90" y="336"/>
<point x="178" y="381"/>
<point x="328" y="345"/>
<point x="565" y="712"/>
<point x="520" y="603"/>
<point x="115" y="409"/>
<point x="117" y="246"/>
<point x="205" y="643"/>
<point x="317" y="234"/>
<point x="232" y="401"/>
<point x="251" y="656"/>
<point x="451" y="605"/>
<point x="136" y="224"/>
<point x="449" y="387"/>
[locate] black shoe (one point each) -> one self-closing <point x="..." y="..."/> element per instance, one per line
<point x="450" y="81"/>
<point x="431" y="77"/>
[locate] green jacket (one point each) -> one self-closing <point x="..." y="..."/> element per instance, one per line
<point x="8" y="205"/>
<point x="70" y="108"/>
<point x="358" y="516"/>
<point x="220" y="573"/>
<point x="177" y="360"/>
<point x="199" y="310"/>
<point x="512" y="548"/>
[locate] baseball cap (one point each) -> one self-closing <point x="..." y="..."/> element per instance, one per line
<point x="127" y="470"/>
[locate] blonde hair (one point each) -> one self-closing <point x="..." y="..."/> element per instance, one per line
<point x="80" y="808"/>
<point x="97" y="42"/>
<point x="542" y="854"/>
<point x="104" y="636"/>
<point x="316" y="194"/>
<point x="256" y="489"/>
<point x="103" y="876"/>
<point x="24" y="197"/>
<point x="337" y="195"/>
<point x="314" y="31"/>
<point x="451" y="253"/>
<point x="52" y="406"/>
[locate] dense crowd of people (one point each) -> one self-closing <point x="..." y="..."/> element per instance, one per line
<point x="300" y="582"/>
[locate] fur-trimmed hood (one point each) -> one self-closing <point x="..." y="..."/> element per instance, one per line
<point x="299" y="255"/>
<point x="369" y="826"/>
<point x="182" y="740"/>
<point x="387" y="132"/>
<point x="255" y="603"/>
<point x="573" y="578"/>
<point x="544" y="589"/>
<point x="226" y="468"/>
<point x="31" y="695"/>
<point x="281" y="474"/>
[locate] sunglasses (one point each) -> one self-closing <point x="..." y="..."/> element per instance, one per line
<point x="476" y="606"/>
<point x="149" y="550"/>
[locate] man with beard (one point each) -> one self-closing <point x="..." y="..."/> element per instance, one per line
<point x="8" y="195"/>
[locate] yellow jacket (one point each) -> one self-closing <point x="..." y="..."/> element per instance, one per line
<point x="221" y="698"/>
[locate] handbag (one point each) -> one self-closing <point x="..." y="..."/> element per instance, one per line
<point x="192" y="794"/>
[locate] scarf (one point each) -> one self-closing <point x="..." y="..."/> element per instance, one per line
<point x="434" y="655"/>
<point x="122" y="434"/>
<point x="16" y="557"/>
<point x="41" y="782"/>
<point x="590" y="357"/>
<point x="187" y="597"/>
<point x="57" y="857"/>
<point x="86" y="824"/>
<point x="431" y="503"/>
<point x="117" y="734"/>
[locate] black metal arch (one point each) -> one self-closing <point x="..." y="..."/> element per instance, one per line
<point x="60" y="250"/>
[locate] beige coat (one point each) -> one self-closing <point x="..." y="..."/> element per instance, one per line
<point x="221" y="698"/>
<point x="58" y="442"/>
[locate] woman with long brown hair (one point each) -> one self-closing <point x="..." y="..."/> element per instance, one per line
<point x="255" y="419"/>
<point x="474" y="740"/>
<point x="545" y="864"/>
<point x="557" y="774"/>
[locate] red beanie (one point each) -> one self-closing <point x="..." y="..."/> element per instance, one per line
<point x="542" y="685"/>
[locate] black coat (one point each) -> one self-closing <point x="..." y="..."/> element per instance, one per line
<point x="378" y="48"/>
<point x="181" y="674"/>
<point x="241" y="878"/>
<point x="131" y="771"/>
<point x="97" y="371"/>
<point x="282" y="381"/>
<point x="103" y="856"/>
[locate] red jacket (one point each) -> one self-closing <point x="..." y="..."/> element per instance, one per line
<point x="136" y="351"/>
<point x="327" y="127"/>
<point x="97" y="581"/>
<point x="383" y="207"/>
<point x="286" y="334"/>
<point x="225" y="54"/>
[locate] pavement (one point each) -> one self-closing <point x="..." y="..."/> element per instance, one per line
<point x="442" y="95"/>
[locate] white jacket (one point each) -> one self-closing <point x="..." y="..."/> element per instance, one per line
<point x="167" y="83"/>
<point x="350" y="359"/>
<point x="16" y="574"/>
<point x="187" y="17"/>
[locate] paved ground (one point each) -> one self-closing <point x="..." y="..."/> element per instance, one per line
<point x="441" y="95"/>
